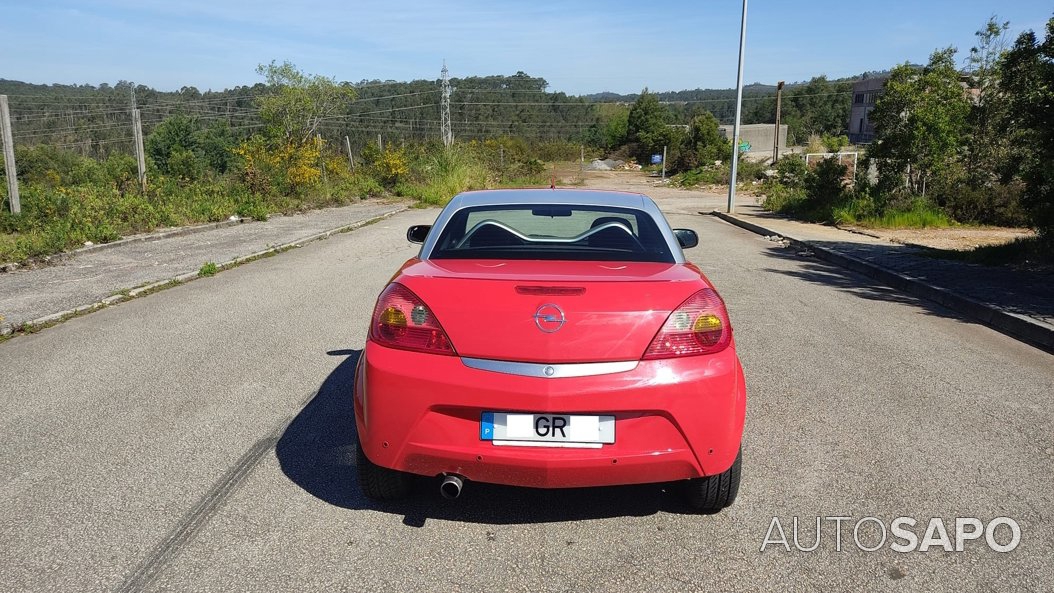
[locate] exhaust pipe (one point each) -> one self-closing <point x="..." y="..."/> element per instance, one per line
<point x="451" y="486"/>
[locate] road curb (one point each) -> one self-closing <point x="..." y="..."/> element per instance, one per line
<point x="154" y="236"/>
<point x="35" y="325"/>
<point x="1016" y="326"/>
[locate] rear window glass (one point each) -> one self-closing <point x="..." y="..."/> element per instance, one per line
<point x="552" y="232"/>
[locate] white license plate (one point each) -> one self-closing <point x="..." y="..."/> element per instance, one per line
<point x="547" y="430"/>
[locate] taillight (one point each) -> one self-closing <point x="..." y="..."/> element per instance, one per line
<point x="402" y="320"/>
<point x="699" y="326"/>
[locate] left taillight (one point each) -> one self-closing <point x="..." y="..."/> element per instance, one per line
<point x="699" y="326"/>
<point x="402" y="320"/>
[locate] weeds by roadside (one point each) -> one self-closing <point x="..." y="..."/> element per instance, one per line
<point x="208" y="269"/>
<point x="68" y="201"/>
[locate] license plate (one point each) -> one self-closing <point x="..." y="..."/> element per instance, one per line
<point x="547" y="430"/>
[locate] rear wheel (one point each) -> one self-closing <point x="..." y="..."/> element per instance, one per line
<point x="713" y="493"/>
<point x="380" y="483"/>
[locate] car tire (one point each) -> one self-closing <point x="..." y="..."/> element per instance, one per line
<point x="713" y="493"/>
<point x="380" y="483"/>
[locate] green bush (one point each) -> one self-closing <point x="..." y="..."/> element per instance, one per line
<point x="529" y="167"/>
<point x="360" y="185"/>
<point x="783" y="199"/>
<point x="746" y="170"/>
<point x="834" y="143"/>
<point x="791" y="171"/>
<point x="254" y="208"/>
<point x="994" y="203"/>
<point x="825" y="187"/>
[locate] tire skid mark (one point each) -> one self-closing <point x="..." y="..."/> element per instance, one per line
<point x="199" y="515"/>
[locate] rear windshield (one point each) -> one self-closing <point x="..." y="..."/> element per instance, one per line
<point x="552" y="232"/>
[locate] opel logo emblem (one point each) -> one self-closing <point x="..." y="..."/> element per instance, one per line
<point x="549" y="318"/>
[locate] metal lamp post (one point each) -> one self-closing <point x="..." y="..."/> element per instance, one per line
<point x="739" y="107"/>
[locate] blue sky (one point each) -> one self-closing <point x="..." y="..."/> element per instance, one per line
<point x="579" y="47"/>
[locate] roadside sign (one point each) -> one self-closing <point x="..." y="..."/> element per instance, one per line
<point x="656" y="159"/>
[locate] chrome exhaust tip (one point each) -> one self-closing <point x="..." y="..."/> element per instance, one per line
<point x="451" y="487"/>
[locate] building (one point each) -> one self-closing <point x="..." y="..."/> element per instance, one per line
<point x="865" y="92"/>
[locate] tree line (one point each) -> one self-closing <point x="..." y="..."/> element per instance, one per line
<point x="971" y="143"/>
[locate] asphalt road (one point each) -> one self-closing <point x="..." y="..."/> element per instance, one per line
<point x="200" y="439"/>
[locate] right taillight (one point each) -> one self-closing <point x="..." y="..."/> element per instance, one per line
<point x="699" y="326"/>
<point x="402" y="320"/>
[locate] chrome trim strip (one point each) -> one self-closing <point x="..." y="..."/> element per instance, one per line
<point x="549" y="371"/>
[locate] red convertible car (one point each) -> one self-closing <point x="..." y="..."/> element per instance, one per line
<point x="550" y="339"/>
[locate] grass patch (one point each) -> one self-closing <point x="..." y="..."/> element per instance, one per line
<point x="208" y="269"/>
<point x="920" y="215"/>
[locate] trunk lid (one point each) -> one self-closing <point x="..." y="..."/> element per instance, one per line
<point x="511" y="310"/>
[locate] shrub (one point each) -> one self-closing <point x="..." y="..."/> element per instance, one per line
<point x="783" y="199"/>
<point x="834" y="143"/>
<point x="392" y="166"/>
<point x="995" y="203"/>
<point x="825" y="186"/>
<point x="791" y="171"/>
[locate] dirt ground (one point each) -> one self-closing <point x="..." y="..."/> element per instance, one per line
<point x="956" y="238"/>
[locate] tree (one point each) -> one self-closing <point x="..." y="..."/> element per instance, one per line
<point x="300" y="102"/>
<point x="216" y="143"/>
<point x="647" y="125"/>
<point x="172" y="145"/>
<point x="707" y="141"/>
<point x="920" y="121"/>
<point x="987" y="145"/>
<point x="616" y="128"/>
<point x="817" y="107"/>
<point x="1027" y="80"/>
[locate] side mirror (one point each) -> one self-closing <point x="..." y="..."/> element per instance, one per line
<point x="686" y="237"/>
<point x="417" y="233"/>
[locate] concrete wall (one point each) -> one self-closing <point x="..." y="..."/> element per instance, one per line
<point x="760" y="136"/>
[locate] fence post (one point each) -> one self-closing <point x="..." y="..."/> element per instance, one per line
<point x="140" y="157"/>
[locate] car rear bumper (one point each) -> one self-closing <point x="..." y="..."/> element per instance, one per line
<point x="674" y="419"/>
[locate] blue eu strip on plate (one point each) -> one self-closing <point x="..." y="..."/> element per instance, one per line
<point x="486" y="426"/>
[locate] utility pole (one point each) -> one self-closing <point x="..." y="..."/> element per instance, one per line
<point x="137" y="134"/>
<point x="9" y="157"/>
<point x="739" y="108"/>
<point x="351" y="159"/>
<point x="380" y="143"/>
<point x="582" y="158"/>
<point x="776" y="142"/>
<point x="444" y="117"/>
<point x="664" y="161"/>
<point x="501" y="157"/>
